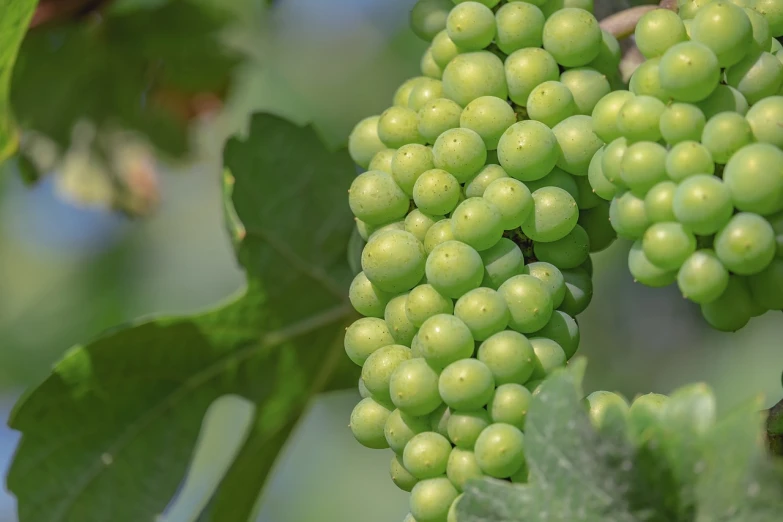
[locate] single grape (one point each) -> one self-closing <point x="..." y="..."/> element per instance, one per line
<point x="414" y="388"/>
<point x="478" y="185"/>
<point x="443" y="49"/>
<point x="501" y="262"/>
<point x="682" y="122"/>
<point x="425" y="91"/>
<point x="462" y="467"/>
<point x="509" y="404"/>
<point x="563" y="330"/>
<point x="764" y="119"/>
<point x="431" y="499"/>
<point x="557" y="177"/>
<point x="568" y="252"/>
<point x="646" y="273"/>
<point x="702" y="278"/>
<point x="639" y="119"/>
<point x="601" y="186"/>
<point x="366" y="298"/>
<point x="403" y="93"/>
<point x="436" y="192"/>
<point x="772" y="11"/>
<point x="436" y="117"/>
<point x="401" y="477"/>
<point x="587" y="85"/>
<point x="554" y="215"/>
<point x="549" y="356"/>
<point x="551" y="277"/>
<point x="754" y="178"/>
<point x="606" y="408"/>
<point x="689" y="71"/>
<point x="426" y="455"/>
<point x="400" y="428"/>
<point x="599" y="229"/>
<point x="439" y="420"/>
<point x="659" y="202"/>
<point x="401" y="328"/>
<point x="424" y="301"/>
<point x="499" y="450"/>
<point x="440" y="232"/>
<point x="461" y="152"/>
<point x="376" y="199"/>
<point x="527" y="68"/>
<point x="394" y="260"/>
<point x="746" y="245"/>
<point x="646" y="80"/>
<point x="477" y="223"/>
<point x="725" y="29"/>
<point x="519" y="25"/>
<point x="550" y="103"/>
<point x="512" y="199"/>
<point x="472" y="75"/>
<point x="572" y="36"/>
<point x="579" y="291"/>
<point x="528" y="150"/>
<point x="766" y="287"/>
<point x="365" y="336"/>
<point x="703" y="204"/>
<point x="466" y="384"/>
<point x="382" y="161"/>
<point x="723" y="99"/>
<point x="725" y="134"/>
<point x="429" y="67"/>
<point x="611" y="161"/>
<point x="379" y="366"/>
<point x="408" y="163"/>
<point x="732" y="310"/>
<point x="454" y="268"/>
<point x="509" y="356"/>
<point x="657" y="31"/>
<point x="444" y="339"/>
<point x="756" y="76"/>
<point x="484" y="311"/>
<point x="529" y="303"/>
<point x="465" y="426"/>
<point x="645" y="413"/>
<point x="643" y="166"/>
<point x="489" y="117"/>
<point x="605" y="115"/>
<point x="471" y="26"/>
<point x="399" y="126"/>
<point x="578" y="143"/>
<point x="668" y="245"/>
<point x="628" y="216"/>
<point x="762" y="36"/>
<point x="418" y="223"/>
<point x="364" y="143"/>
<point x="428" y="17"/>
<point x="689" y="158"/>
<point x="367" y="421"/>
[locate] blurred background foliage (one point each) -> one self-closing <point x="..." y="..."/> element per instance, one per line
<point x="121" y="225"/>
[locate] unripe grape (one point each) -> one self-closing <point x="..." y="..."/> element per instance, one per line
<point x="528" y="150"/>
<point x="645" y="413"/>
<point x="425" y="91"/>
<point x="444" y="339"/>
<point x="473" y="75"/>
<point x="499" y="450"/>
<point x="573" y="36"/>
<point x="401" y="477"/>
<point x="489" y="117"/>
<point x="466" y="384"/>
<point x="639" y="119"/>
<point x="657" y="31"/>
<point x="550" y="103"/>
<point x="725" y="29"/>
<point x="436" y="117"/>
<point x="761" y="33"/>
<point x="414" y="388"/>
<point x="586" y="198"/>
<point x="756" y="76"/>
<point x="418" y="223"/>
<point x="579" y="291"/>
<point x="549" y="356"/>
<point x="464" y="427"/>
<point x="587" y="85"/>
<point x="529" y="302"/>
<point x="732" y="310"/>
<point x="501" y="262"/>
<point x="471" y="26"/>
<point x="460" y="152"/>
<point x="366" y="298"/>
<point x="601" y="186"/>
<point x="559" y="178"/>
<point x="429" y="67"/>
<point x="394" y="260"/>
<point x="725" y="134"/>
<point x="428" y="17"/>
<point x="438" y="233"/>
<point x="431" y="499"/>
<point x="646" y="80"/>
<point x="509" y="404"/>
<point x="365" y="336"/>
<point x="659" y="202"/>
<point x="401" y="428"/>
<point x="643" y="271"/>
<point x="764" y="119"/>
<point x="562" y="329"/>
<point x="668" y="245"/>
<point x="605" y="115"/>
<point x="477" y="223"/>
<point x="766" y="287"/>
<point x="606" y="407"/>
<point x="436" y="192"/>
<point x="703" y="204"/>
<point x="367" y="421"/>
<point x="426" y="454"/>
<point x="379" y="366"/>
<point x="682" y="122"/>
<point x="723" y="99"/>
<point x="401" y="328"/>
<point x="527" y="68"/>
<point x="484" y="311"/>
<point x="408" y="163"/>
<point x="643" y="166"/>
<point x="382" y="161"/>
<point x="772" y="11"/>
<point x="611" y="161"/>
<point x="462" y="467"/>
<point x="454" y="268"/>
<point x="364" y="143"/>
<point x="439" y="420"/>
<point x="424" y="301"/>
<point x="554" y="215"/>
<point x="478" y="185"/>
<point x="746" y="245"/>
<point x="443" y="49"/>
<point x="519" y="25"/>
<point x="403" y="93"/>
<point x="754" y="178"/>
<point x="376" y="199"/>
<point x="628" y="216"/>
<point x="399" y="126"/>
<point x="567" y="252"/>
<point x="689" y="158"/>
<point x="702" y="278"/>
<point x="609" y="55"/>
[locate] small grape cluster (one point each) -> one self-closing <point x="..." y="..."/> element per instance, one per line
<point x="479" y="221"/>
<point x="693" y="164"/>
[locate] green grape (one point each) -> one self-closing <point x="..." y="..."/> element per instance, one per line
<point x="554" y="215"/>
<point x="365" y="336"/>
<point x="376" y="199"/>
<point x="689" y="71"/>
<point x="702" y="278"/>
<point x="444" y="50"/>
<point x="414" y="388"/>
<point x="528" y="150"/>
<point x="754" y="178"/>
<point x="426" y="455"/>
<point x="563" y="330"/>
<point x="659" y="202"/>
<point x="464" y="427"/>
<point x="484" y="311"/>
<point x="762" y="37"/>
<point x="408" y="163"/>
<point x="499" y="450"/>
<point x="400" y="428"/>
<point x="519" y="25"/>
<point x="394" y="225"/>
<point x="725" y="134"/>
<point x="746" y="245"/>
<point x="460" y="152"/>
<point x="723" y="99"/>
<point x="612" y="159"/>
<point x="477" y="186"/>
<point x="766" y="287"/>
<point x="394" y="260"/>
<point x="401" y="328"/>
<point x="645" y="413"/>
<point x="587" y="85"/>
<point x="509" y="356"/>
<point x="668" y="245"/>
<point x="364" y="143"/>
<point x="643" y="166"/>
<point x="436" y="192"/>
<point x="579" y="291"/>
<point x="382" y="161"/>
<point x="725" y="29"/>
<point x="606" y="407"/>
<point x="428" y="17"/>
<point x="431" y="499"/>
<point x="512" y="199"/>
<point x="424" y="301"/>
<point x="557" y="177"/>
<point x="462" y="467"/>
<point x="682" y="122"/>
<point x="604" y="188"/>
<point x="501" y="262"/>
<point x="586" y="197"/>
<point x="477" y="223"/>
<point x="398" y="126"/>
<point x="425" y="91"/>
<point x="550" y="103"/>
<point x="363" y="391"/>
<point x="572" y="36"/>
<point x="473" y="75"/>
<point x="429" y="67"/>
<point x="732" y="310"/>
<point x="471" y="26"/>
<point x="529" y="303"/>
<point x="628" y="216"/>
<point x="438" y="233"/>
<point x="509" y="404"/>
<point x="608" y="59"/>
<point x="527" y="68"/>
<point x="401" y="477"/>
<point x="605" y="115"/>
<point x="466" y="384"/>
<point x="418" y="223"/>
<point x="657" y="31"/>
<point x="403" y="92"/>
<point x="366" y="298"/>
<point x="367" y="421"/>
<point x="639" y="119"/>
<point x="568" y="252"/>
<point x="549" y="356"/>
<point x="764" y="119"/>
<point x="439" y="420"/>
<point x="646" y="80"/>
<point x="599" y="229"/>
<point x="488" y="117"/>
<point x="551" y="277"/>
<point x="772" y="11"/>
<point x="775" y="46"/>
<point x="703" y="204"/>
<point x="488" y="3"/>
<point x="756" y="76"/>
<point x="689" y="158"/>
<point x="436" y="117"/>
<point x="452" y="515"/>
<point x="444" y="339"/>
<point x="646" y="273"/>
<point x="454" y="268"/>
<point x="379" y="366"/>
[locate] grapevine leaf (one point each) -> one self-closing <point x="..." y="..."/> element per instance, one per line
<point x="121" y="414"/>
<point x="15" y="16"/>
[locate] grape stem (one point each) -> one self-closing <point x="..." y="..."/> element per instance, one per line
<point x="623" y="23"/>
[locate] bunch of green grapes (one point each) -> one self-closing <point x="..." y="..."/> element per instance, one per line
<point x="479" y="222"/>
<point x="693" y="164"/>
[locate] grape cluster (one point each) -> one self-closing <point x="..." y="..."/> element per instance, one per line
<point x="693" y="161"/>
<point x="479" y="221"/>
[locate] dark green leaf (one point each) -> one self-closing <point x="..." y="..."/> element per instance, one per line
<point x="122" y="414"/>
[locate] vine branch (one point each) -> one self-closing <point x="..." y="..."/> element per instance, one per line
<point x="623" y="23"/>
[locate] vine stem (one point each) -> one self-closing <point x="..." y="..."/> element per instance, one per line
<point x="623" y="23"/>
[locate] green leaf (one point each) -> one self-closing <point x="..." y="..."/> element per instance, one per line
<point x="15" y="16"/>
<point x="108" y="436"/>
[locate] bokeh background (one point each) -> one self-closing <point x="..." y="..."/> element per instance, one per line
<point x="69" y="270"/>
